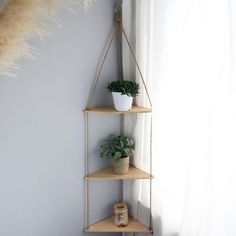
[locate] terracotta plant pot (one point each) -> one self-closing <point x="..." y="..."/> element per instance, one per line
<point x="122" y="102"/>
<point x="121" y="166"/>
<point x="121" y="218"/>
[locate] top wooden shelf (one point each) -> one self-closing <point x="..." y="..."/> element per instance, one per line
<point x="111" y="110"/>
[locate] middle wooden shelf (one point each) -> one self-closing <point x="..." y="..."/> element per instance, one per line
<point x="108" y="174"/>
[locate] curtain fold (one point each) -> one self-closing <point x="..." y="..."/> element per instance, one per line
<point x="137" y="192"/>
<point x="186" y="50"/>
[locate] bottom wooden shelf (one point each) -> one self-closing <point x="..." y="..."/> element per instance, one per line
<point x="107" y="225"/>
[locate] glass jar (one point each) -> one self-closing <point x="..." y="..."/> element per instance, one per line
<point x="121" y="218"/>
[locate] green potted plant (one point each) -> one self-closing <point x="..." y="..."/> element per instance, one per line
<point x="119" y="149"/>
<point x="123" y="92"/>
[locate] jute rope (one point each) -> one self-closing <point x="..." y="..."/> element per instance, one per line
<point x="87" y="167"/>
<point x="122" y="181"/>
<point x="102" y="64"/>
<point x="135" y="60"/>
<point x="115" y="31"/>
<point x="150" y="223"/>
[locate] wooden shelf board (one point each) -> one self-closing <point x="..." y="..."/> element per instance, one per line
<point x="108" y="174"/>
<point x="111" y="110"/>
<point x="107" y="225"/>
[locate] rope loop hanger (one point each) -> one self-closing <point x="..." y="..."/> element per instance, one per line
<point x="117" y="28"/>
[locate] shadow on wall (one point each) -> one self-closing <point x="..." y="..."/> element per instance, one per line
<point x="143" y="215"/>
<point x="158" y="227"/>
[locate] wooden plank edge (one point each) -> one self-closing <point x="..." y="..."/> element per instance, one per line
<point x="87" y="230"/>
<point x="90" y="110"/>
<point x="87" y="177"/>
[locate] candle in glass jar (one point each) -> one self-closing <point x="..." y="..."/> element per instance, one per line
<point x="121" y="215"/>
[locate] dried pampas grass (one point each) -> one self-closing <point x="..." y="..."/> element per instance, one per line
<point x="20" y="20"/>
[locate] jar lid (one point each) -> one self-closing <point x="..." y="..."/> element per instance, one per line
<point x="120" y="207"/>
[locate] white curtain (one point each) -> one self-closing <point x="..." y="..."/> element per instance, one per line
<point x="186" y="50"/>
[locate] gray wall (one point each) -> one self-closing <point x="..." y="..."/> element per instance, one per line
<point x="42" y="131"/>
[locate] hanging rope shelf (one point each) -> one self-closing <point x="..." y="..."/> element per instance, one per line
<point x="107" y="225"/>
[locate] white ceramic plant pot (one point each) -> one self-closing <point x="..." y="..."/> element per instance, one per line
<point x="122" y="102"/>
